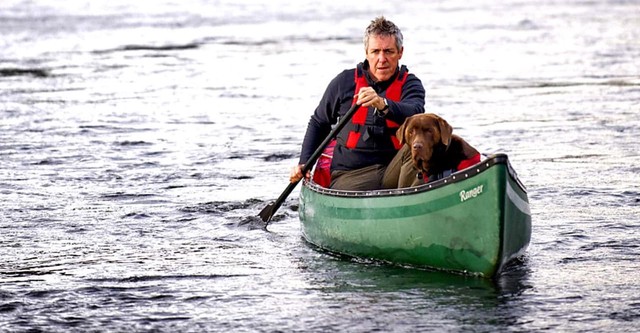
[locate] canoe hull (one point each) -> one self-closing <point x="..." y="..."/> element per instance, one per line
<point x="474" y="221"/>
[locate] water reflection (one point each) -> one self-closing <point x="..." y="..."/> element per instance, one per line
<point x="430" y="299"/>
<point x="361" y="274"/>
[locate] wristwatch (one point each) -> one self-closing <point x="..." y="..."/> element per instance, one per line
<point x="386" y="105"/>
<point x="381" y="112"/>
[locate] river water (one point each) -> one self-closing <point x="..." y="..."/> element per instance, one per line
<point x="139" y="140"/>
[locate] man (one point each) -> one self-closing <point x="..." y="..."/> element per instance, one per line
<point x="387" y="95"/>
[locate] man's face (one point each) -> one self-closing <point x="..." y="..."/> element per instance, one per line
<point x="383" y="56"/>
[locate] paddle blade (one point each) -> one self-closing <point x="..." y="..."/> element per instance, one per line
<point x="267" y="213"/>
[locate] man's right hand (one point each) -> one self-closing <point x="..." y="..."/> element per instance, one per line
<point x="296" y="173"/>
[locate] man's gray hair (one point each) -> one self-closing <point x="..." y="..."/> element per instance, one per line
<point x="380" y="26"/>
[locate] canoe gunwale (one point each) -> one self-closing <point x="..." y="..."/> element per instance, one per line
<point x="453" y="178"/>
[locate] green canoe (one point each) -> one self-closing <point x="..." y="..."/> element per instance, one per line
<point x="473" y="222"/>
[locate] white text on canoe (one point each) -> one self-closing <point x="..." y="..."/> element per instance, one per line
<point x="472" y="193"/>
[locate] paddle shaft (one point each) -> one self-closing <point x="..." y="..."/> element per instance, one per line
<point x="267" y="213"/>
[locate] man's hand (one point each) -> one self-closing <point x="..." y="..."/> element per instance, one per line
<point x="368" y="97"/>
<point x="296" y="173"/>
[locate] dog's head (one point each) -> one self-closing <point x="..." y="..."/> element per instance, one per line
<point x="423" y="133"/>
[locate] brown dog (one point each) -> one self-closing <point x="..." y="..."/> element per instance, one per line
<point x="435" y="151"/>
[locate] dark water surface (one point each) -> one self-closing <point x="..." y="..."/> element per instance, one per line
<point x="139" y="140"/>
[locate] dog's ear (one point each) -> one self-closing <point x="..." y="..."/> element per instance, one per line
<point x="400" y="131"/>
<point x="445" y="131"/>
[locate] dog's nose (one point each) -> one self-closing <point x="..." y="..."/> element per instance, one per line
<point x="417" y="145"/>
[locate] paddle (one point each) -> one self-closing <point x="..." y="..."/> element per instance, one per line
<point x="267" y="212"/>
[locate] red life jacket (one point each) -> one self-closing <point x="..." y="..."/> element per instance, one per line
<point x="322" y="172"/>
<point x="473" y="160"/>
<point x="359" y="119"/>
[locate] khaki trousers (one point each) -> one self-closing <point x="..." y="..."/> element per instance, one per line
<point x="398" y="174"/>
